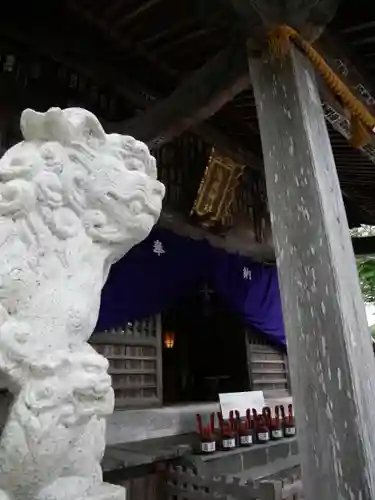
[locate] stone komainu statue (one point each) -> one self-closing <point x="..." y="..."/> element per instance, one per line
<point x="73" y="200"/>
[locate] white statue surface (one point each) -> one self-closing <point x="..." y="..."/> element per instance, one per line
<point x="73" y="200"/>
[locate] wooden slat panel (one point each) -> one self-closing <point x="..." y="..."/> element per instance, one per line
<point x="137" y="402"/>
<point x="268" y="361"/>
<point x="267" y="365"/>
<point x="134" y="354"/>
<point x="111" y="338"/>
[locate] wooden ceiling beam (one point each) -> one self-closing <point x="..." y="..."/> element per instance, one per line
<point x="146" y="5"/>
<point x="229" y="66"/>
<point x="308" y="17"/>
<point x="199" y="97"/>
<point x="71" y="54"/>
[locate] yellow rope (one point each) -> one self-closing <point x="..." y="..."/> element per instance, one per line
<point x="362" y="122"/>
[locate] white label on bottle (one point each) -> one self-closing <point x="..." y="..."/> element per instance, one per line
<point x="277" y="433"/>
<point x="246" y="440"/>
<point x="263" y="436"/>
<point x="290" y="431"/>
<point x="208" y="447"/>
<point x="229" y="443"/>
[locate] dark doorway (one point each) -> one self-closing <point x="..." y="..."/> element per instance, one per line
<point x="208" y="355"/>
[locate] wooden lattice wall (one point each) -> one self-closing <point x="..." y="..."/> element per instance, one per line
<point x="268" y="366"/>
<point x="134" y="355"/>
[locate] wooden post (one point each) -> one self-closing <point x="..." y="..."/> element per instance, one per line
<point x="330" y="355"/>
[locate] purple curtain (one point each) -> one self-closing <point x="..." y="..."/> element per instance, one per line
<point x="165" y="267"/>
<point x="252" y="290"/>
<point x="151" y="277"/>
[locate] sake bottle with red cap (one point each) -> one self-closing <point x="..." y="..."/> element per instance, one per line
<point x="276" y="426"/>
<point x="207" y="441"/>
<point x="227" y="433"/>
<point x="245" y="433"/>
<point x="289" y="423"/>
<point x="262" y="430"/>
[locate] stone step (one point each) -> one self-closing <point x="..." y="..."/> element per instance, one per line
<point x="269" y="381"/>
<point x="267" y="371"/>
<point x="279" y="469"/>
<point x="277" y="396"/>
<point x="267" y="362"/>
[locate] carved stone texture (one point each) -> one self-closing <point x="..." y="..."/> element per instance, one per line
<point x="73" y="200"/>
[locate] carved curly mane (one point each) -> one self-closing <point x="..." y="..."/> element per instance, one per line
<point x="58" y="169"/>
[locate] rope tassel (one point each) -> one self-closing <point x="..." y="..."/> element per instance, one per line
<point x="279" y="41"/>
<point x="362" y="122"/>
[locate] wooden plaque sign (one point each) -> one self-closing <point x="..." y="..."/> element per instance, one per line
<point x="217" y="189"/>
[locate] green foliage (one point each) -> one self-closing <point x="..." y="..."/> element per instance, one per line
<point x="366" y="266"/>
<point x="366" y="271"/>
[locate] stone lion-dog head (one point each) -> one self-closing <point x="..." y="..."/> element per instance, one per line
<point x="78" y="177"/>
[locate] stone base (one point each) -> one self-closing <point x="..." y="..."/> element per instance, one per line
<point x="105" y="491"/>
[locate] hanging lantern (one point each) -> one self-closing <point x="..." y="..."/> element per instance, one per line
<point x="169" y="340"/>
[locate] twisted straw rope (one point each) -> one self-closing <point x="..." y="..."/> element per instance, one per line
<point x="362" y="121"/>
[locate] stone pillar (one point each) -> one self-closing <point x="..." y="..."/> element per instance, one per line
<point x="330" y="354"/>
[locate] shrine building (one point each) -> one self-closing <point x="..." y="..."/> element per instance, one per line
<point x="261" y="117"/>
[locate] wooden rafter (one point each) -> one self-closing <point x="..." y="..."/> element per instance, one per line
<point x="71" y="53"/>
<point x="200" y="96"/>
<point x="143" y="7"/>
<point x="116" y="35"/>
<point x="236" y="70"/>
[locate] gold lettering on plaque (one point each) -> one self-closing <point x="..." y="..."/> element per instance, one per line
<point x="217" y="189"/>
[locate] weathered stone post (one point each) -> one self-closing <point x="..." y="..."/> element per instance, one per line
<point x="331" y="359"/>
